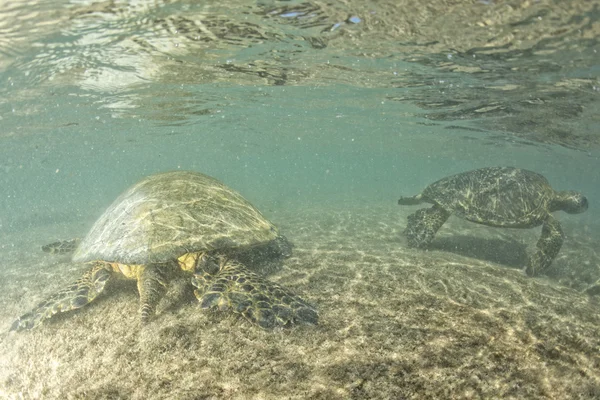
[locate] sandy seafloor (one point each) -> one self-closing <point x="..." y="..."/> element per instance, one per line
<point x="457" y="321"/>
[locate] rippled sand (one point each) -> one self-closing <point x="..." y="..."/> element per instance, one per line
<point x="458" y="321"/>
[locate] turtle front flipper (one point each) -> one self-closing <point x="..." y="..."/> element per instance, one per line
<point x="228" y="285"/>
<point x="411" y="201"/>
<point x="61" y="247"/>
<point x="423" y="225"/>
<point x="77" y="295"/>
<point x="547" y="247"/>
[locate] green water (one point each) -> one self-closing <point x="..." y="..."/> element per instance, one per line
<point x="291" y="101"/>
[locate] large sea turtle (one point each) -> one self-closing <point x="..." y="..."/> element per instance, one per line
<point x="177" y="223"/>
<point x="496" y="196"/>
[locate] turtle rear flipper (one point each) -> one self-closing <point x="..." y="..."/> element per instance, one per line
<point x="61" y="247"/>
<point x="264" y="303"/>
<point x="547" y="247"/>
<point x="152" y="285"/>
<point x="77" y="295"/>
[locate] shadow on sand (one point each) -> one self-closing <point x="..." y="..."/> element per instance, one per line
<point x="510" y="253"/>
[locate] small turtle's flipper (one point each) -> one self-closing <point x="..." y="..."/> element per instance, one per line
<point x="77" y="295"/>
<point x="423" y="225"/>
<point x="594" y="290"/>
<point x="62" y="246"/>
<point x="547" y="247"/>
<point x="152" y="285"/>
<point x="228" y="285"/>
<point x="410" y="201"/>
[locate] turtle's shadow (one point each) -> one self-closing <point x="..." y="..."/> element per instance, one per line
<point x="505" y="252"/>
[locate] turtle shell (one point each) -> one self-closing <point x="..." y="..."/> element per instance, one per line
<point x="167" y="215"/>
<point x="496" y="196"/>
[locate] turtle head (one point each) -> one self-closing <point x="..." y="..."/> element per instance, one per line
<point x="282" y="246"/>
<point x="278" y="248"/>
<point x="570" y="202"/>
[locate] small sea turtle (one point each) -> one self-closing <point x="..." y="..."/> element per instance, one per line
<point x="176" y="223"/>
<point x="496" y="196"/>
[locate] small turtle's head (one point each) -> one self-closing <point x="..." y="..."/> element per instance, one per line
<point x="570" y="202"/>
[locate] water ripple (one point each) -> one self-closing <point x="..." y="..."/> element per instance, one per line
<point x="460" y="62"/>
